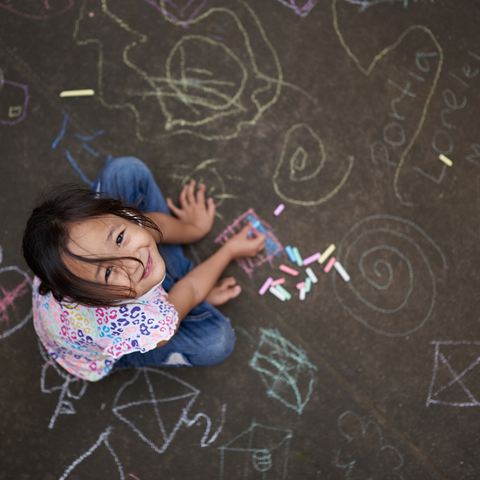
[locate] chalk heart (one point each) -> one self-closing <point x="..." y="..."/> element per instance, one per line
<point x="300" y="6"/>
<point x="181" y="11"/>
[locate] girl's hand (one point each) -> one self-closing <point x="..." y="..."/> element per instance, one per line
<point x="193" y="210"/>
<point x="241" y="245"/>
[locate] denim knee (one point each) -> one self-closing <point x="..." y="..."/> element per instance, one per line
<point x="121" y="166"/>
<point x="217" y="347"/>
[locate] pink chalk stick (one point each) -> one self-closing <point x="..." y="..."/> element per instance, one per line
<point x="280" y="281"/>
<point x="279" y="210"/>
<point x="300" y="285"/>
<point x="288" y="270"/>
<point x="312" y="258"/>
<point x="266" y="285"/>
<point x="329" y="265"/>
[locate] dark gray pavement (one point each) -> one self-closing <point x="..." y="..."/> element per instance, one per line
<point x="337" y="109"/>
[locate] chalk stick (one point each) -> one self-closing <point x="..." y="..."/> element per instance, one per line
<point x="302" y="294"/>
<point x="341" y="271"/>
<point x="280" y="281"/>
<point x="77" y="93"/>
<point x="445" y="160"/>
<point x="308" y="284"/>
<point x="329" y="265"/>
<point x="300" y="285"/>
<point x="291" y="255"/>
<point x="276" y="293"/>
<point x="279" y="210"/>
<point x="326" y="253"/>
<point x="256" y="224"/>
<point x="311" y="275"/>
<point x="288" y="270"/>
<point x="266" y="285"/>
<point x="311" y="259"/>
<point x="284" y="292"/>
<point x="298" y="257"/>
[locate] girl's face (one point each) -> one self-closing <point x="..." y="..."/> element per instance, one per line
<point x="113" y="236"/>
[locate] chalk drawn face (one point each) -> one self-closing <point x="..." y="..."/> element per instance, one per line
<point x="113" y="236"/>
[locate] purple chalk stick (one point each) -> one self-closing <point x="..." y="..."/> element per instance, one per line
<point x="266" y="285"/>
<point x="311" y="259"/>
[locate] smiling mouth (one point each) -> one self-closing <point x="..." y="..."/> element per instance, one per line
<point x="148" y="268"/>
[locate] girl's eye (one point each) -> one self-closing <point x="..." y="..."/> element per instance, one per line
<point x="119" y="239"/>
<point x="108" y="271"/>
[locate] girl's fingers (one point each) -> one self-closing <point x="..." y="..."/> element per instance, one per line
<point x="191" y="192"/>
<point x="183" y="196"/>
<point x="201" y="194"/>
<point x="172" y="207"/>
<point x="211" y="207"/>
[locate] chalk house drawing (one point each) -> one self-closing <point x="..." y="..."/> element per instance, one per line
<point x="284" y="369"/>
<point x="393" y="265"/>
<point x="101" y="442"/>
<point x="13" y="101"/>
<point x="273" y="247"/>
<point x="300" y="7"/>
<point x="457" y="385"/>
<point x="180" y="93"/>
<point x="365" y="454"/>
<point x="257" y="453"/>
<point x="367" y="71"/>
<point x="15" y="300"/>
<point x="155" y="404"/>
<point x="298" y="172"/>
<point x="37" y="9"/>
<point x="176" y="13"/>
<point x="70" y="387"/>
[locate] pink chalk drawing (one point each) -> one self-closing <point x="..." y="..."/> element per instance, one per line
<point x="15" y="300"/>
<point x="304" y="10"/>
<point x="273" y="247"/>
<point x="190" y="10"/>
<point x="13" y="101"/>
<point x="39" y="10"/>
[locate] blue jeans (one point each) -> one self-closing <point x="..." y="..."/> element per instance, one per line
<point x="205" y="337"/>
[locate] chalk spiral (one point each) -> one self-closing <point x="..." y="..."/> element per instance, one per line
<point x="394" y="266"/>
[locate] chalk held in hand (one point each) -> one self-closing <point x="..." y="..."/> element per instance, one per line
<point x="311" y="275"/>
<point x="77" y="93"/>
<point x="298" y="257"/>
<point x="302" y="294"/>
<point x="329" y="265"/>
<point x="276" y="293"/>
<point x="326" y="253"/>
<point x="311" y="259"/>
<point x="284" y="292"/>
<point x="445" y="160"/>
<point x="279" y="210"/>
<point x="341" y="271"/>
<point x="266" y="285"/>
<point x="300" y="285"/>
<point x="280" y="281"/>
<point x="290" y="254"/>
<point x="288" y="270"/>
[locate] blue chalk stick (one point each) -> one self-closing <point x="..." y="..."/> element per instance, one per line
<point x="290" y="254"/>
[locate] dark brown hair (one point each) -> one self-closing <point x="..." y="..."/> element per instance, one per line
<point x="47" y="234"/>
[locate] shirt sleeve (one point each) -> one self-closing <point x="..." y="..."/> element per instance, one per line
<point x="138" y="327"/>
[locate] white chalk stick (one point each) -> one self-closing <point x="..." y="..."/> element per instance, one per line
<point x="77" y="93"/>
<point x="276" y="293"/>
<point x="312" y="276"/>
<point x="445" y="160"/>
<point x="302" y="294"/>
<point x="338" y="267"/>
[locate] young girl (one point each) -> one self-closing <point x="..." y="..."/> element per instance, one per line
<point x="99" y="296"/>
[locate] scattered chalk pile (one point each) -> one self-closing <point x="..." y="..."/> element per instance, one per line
<point x="275" y="286"/>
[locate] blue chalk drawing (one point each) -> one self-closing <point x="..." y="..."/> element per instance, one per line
<point x="77" y="168"/>
<point x="62" y="133"/>
<point x="364" y="4"/>
<point x="285" y="370"/>
<point x="270" y="246"/>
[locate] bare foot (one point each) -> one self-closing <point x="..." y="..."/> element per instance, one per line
<point x="223" y="291"/>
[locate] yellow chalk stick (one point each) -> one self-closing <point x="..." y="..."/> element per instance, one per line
<point x="445" y="160"/>
<point x="326" y="253"/>
<point x="77" y="93"/>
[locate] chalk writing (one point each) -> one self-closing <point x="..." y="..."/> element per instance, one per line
<point x="284" y="369"/>
<point x="13" y="100"/>
<point x="296" y="180"/>
<point x="273" y="247"/>
<point x="66" y="389"/>
<point x="259" y="452"/>
<point x="421" y="58"/>
<point x="36" y="10"/>
<point x="102" y="440"/>
<point x="14" y="311"/>
<point x="364" y="4"/>
<point x="401" y="288"/>
<point x="147" y="393"/>
<point x="172" y="11"/>
<point x="365" y="454"/>
<point x="451" y="386"/>
<point x="302" y="10"/>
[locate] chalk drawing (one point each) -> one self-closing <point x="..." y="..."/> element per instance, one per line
<point x="36" y="10"/>
<point x="393" y="285"/>
<point x="476" y="148"/>
<point x="448" y="387"/>
<point x="296" y="180"/>
<point x="364" y="4"/>
<point x="205" y="100"/>
<point x="285" y="370"/>
<point x="14" y="100"/>
<point x="257" y="453"/>
<point x="15" y="300"/>
<point x="302" y="10"/>
<point x="66" y="389"/>
<point x="147" y="395"/>
<point x="372" y="65"/>
<point x="365" y="454"/>
<point x="273" y="247"/>
<point x="102" y="440"/>
<point x="172" y="11"/>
